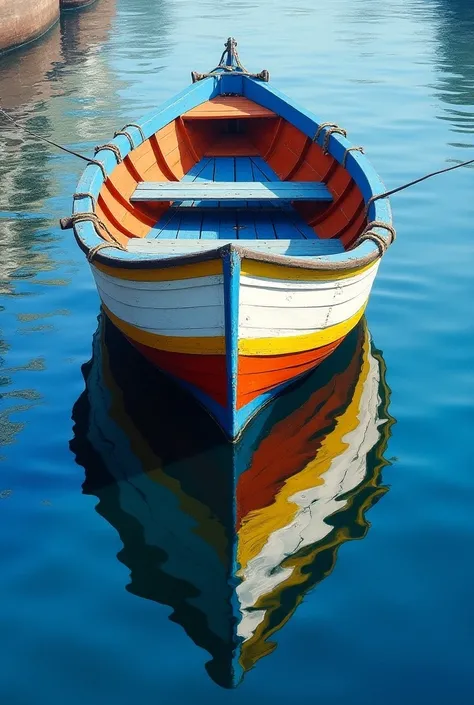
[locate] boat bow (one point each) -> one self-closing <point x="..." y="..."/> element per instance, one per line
<point x="264" y="265"/>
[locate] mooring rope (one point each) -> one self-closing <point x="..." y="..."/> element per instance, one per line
<point x="386" y="194"/>
<point x="322" y="127"/>
<point x="70" y="222"/>
<point x="55" y="144"/>
<point x="101" y="246"/>
<point x="327" y="136"/>
<point x="134" y="124"/>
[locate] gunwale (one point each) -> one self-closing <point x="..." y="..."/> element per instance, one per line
<point x="357" y="165"/>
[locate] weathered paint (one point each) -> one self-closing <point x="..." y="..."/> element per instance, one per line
<point x="197" y="345"/>
<point x="191" y="271"/>
<point x="282" y="345"/>
<point x="294" y="248"/>
<point x="265" y="270"/>
<point x="231" y="304"/>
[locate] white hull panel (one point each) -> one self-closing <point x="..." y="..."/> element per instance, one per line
<point x="272" y="308"/>
<point x="189" y="307"/>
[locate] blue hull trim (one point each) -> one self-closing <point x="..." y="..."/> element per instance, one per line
<point x="231" y="267"/>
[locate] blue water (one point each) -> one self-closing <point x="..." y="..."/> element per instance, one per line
<point x="393" y="620"/>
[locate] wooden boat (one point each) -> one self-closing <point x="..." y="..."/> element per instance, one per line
<point x="232" y="536"/>
<point x="233" y="238"/>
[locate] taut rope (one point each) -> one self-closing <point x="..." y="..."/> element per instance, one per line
<point x="386" y="194"/>
<point x="55" y="144"/>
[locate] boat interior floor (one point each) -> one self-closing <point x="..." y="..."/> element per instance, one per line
<point x="236" y="220"/>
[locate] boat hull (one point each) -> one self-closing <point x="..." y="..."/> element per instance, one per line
<point x="236" y="297"/>
<point x="235" y="332"/>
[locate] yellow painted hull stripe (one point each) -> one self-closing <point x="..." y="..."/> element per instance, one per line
<point x="299" y="343"/>
<point x="197" y="346"/>
<point x="278" y="271"/>
<point x="215" y="345"/>
<point x="249" y="267"/>
<point x="185" y="271"/>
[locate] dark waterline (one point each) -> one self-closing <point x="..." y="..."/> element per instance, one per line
<point x="119" y="564"/>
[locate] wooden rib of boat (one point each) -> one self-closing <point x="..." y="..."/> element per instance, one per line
<point x="232" y="536"/>
<point x="233" y="238"/>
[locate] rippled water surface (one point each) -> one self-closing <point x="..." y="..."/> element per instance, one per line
<point x="115" y="554"/>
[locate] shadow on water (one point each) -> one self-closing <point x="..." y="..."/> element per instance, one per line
<point x="232" y="537"/>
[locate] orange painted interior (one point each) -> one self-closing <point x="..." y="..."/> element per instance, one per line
<point x="229" y="126"/>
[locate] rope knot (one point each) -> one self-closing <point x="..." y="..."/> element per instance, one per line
<point x="330" y="128"/>
<point x="127" y="135"/>
<point x="113" y="148"/>
<point x="351" y="149"/>
<point x="70" y="222"/>
<point x="369" y="234"/>
<point x="134" y="124"/>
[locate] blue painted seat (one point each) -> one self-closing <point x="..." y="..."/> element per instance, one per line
<point x="291" y="247"/>
<point x="236" y="219"/>
<point x="232" y="191"/>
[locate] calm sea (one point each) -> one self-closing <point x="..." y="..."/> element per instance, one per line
<point x="114" y="547"/>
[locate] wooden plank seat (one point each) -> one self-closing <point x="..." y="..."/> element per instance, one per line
<point x="228" y="107"/>
<point x="293" y="248"/>
<point x="231" y="191"/>
<point x="231" y="220"/>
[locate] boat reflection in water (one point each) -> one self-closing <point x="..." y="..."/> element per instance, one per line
<point x="232" y="537"/>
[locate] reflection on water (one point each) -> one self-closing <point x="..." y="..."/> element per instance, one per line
<point x="32" y="80"/>
<point x="455" y="56"/>
<point x="232" y="537"/>
<point x="387" y="71"/>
